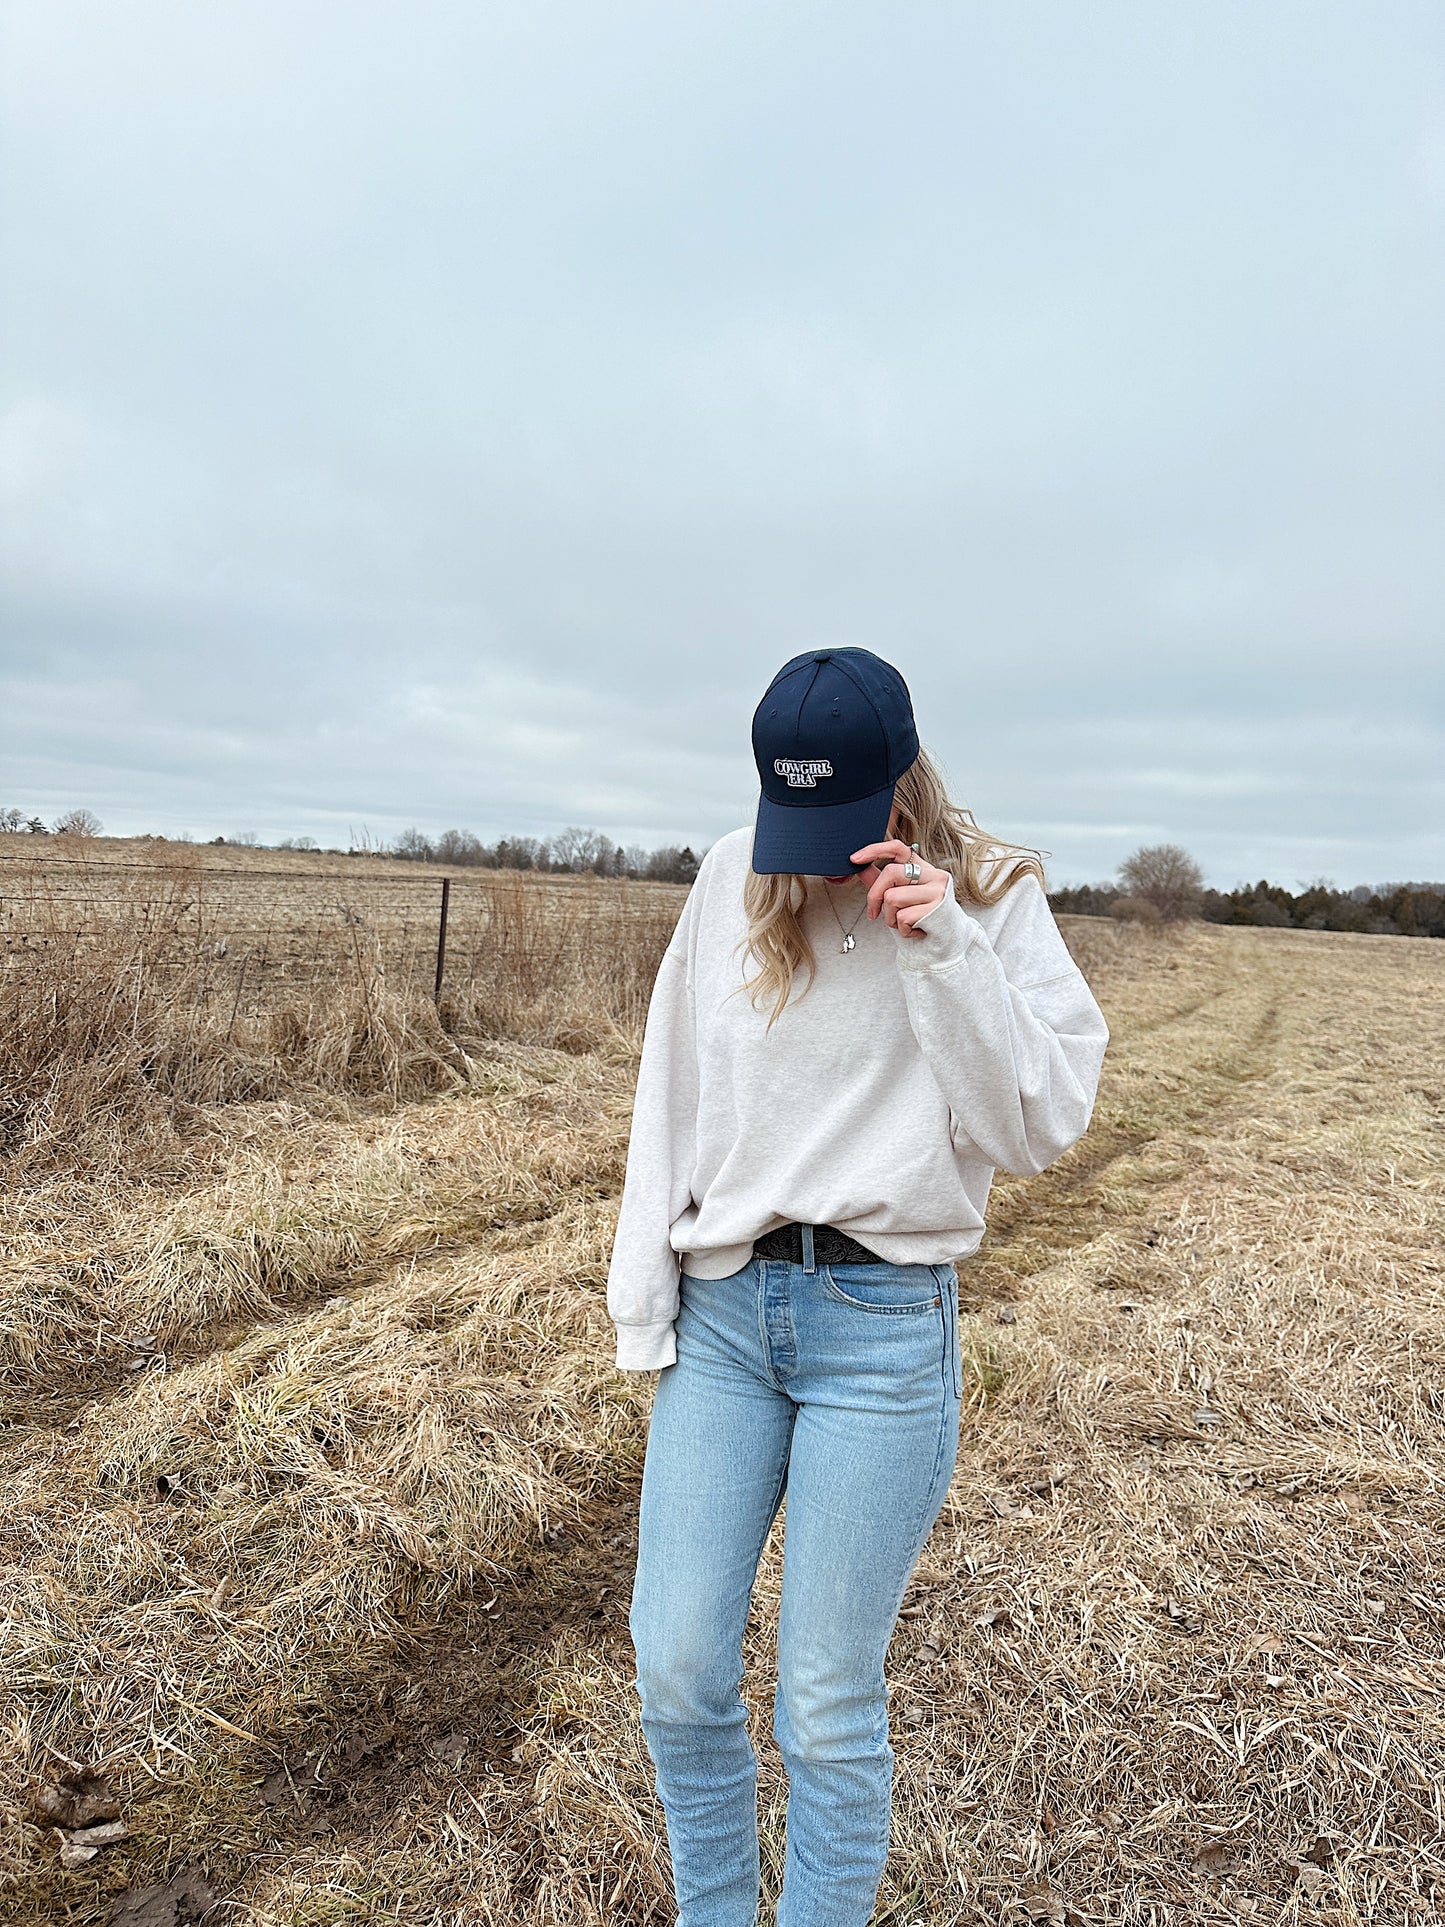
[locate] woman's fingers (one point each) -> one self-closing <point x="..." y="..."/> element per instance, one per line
<point x="889" y="893"/>
<point x="909" y="915"/>
<point x="902" y="895"/>
<point x="932" y="881"/>
<point x="884" y="852"/>
<point x="889" y="876"/>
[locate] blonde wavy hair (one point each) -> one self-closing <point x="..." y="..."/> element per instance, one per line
<point x="946" y="835"/>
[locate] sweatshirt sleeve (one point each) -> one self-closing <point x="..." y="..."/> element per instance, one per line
<point x="642" y="1279"/>
<point x="1009" y="1027"/>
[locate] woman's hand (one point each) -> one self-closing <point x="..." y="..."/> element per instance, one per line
<point x="902" y="904"/>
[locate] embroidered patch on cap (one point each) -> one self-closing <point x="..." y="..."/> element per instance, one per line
<point x="802" y="772"/>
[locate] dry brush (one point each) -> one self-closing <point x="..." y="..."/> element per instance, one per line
<point x="321" y="1488"/>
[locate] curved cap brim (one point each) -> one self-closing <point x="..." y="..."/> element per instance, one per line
<point x="818" y="839"/>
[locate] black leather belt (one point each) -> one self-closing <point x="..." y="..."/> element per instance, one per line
<point x="830" y="1246"/>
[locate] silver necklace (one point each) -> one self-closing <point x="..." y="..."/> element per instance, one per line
<point x="849" y="941"/>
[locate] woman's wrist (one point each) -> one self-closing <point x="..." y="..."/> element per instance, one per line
<point x="946" y="932"/>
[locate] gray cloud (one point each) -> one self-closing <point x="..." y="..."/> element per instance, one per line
<point x="453" y="415"/>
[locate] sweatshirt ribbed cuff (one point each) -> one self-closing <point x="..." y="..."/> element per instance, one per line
<point x="950" y="932"/>
<point x="646" y="1348"/>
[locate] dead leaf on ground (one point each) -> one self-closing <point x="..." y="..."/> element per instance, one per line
<point x="357" y="1746"/>
<point x="1306" y="1872"/>
<point x="450" y="1748"/>
<point x="82" y="1801"/>
<point x="104" y="1835"/>
<point x="1004" y="1507"/>
<point x="1043" y="1904"/>
<point x="293" y="1780"/>
<point x="1214" y="1859"/>
<point x="179" y="1901"/>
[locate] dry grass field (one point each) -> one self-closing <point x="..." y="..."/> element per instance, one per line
<point x="320" y="1486"/>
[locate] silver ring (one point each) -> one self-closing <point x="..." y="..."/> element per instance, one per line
<point x="912" y="872"/>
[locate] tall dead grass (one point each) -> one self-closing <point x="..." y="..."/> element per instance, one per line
<point x="121" y="1029"/>
<point x="317" y="1473"/>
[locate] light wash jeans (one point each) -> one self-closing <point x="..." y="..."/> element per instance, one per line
<point x="841" y="1385"/>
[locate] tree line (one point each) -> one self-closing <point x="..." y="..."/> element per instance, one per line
<point x="14" y="822"/>
<point x="1161" y="883"/>
<point x="571" y="850"/>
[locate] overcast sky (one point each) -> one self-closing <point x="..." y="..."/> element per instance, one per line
<point x="453" y="414"/>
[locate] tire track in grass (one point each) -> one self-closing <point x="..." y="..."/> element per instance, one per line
<point x="1161" y="1078"/>
<point x="41" y="1453"/>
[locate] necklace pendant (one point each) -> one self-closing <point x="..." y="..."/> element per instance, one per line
<point x="848" y="941"/>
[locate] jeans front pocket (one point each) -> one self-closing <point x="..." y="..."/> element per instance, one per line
<point x="889" y="1290"/>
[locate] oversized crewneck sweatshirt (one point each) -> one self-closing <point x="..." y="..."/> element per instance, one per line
<point x="881" y="1101"/>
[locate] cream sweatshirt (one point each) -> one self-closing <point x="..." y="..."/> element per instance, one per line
<point x="881" y="1101"/>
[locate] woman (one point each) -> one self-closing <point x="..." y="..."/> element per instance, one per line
<point x="807" y="1160"/>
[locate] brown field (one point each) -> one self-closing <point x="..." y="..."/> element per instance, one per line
<point x="320" y="1485"/>
<point x="247" y="930"/>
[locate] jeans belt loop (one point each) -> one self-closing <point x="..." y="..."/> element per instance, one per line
<point x="808" y="1264"/>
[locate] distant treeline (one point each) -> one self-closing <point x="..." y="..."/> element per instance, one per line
<point x="1391" y="910"/>
<point x="571" y="850"/>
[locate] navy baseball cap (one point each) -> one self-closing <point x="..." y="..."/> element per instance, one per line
<point x="831" y="737"/>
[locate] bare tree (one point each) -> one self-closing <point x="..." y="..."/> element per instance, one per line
<point x="671" y="865"/>
<point x="77" y="823"/>
<point x="458" y="847"/>
<point x="11" y="821"/>
<point x="1166" y="876"/>
<point x="414" y="846"/>
<point x="575" y="848"/>
<point x="519" y="853"/>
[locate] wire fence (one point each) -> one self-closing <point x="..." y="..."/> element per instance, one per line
<point x="263" y="936"/>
